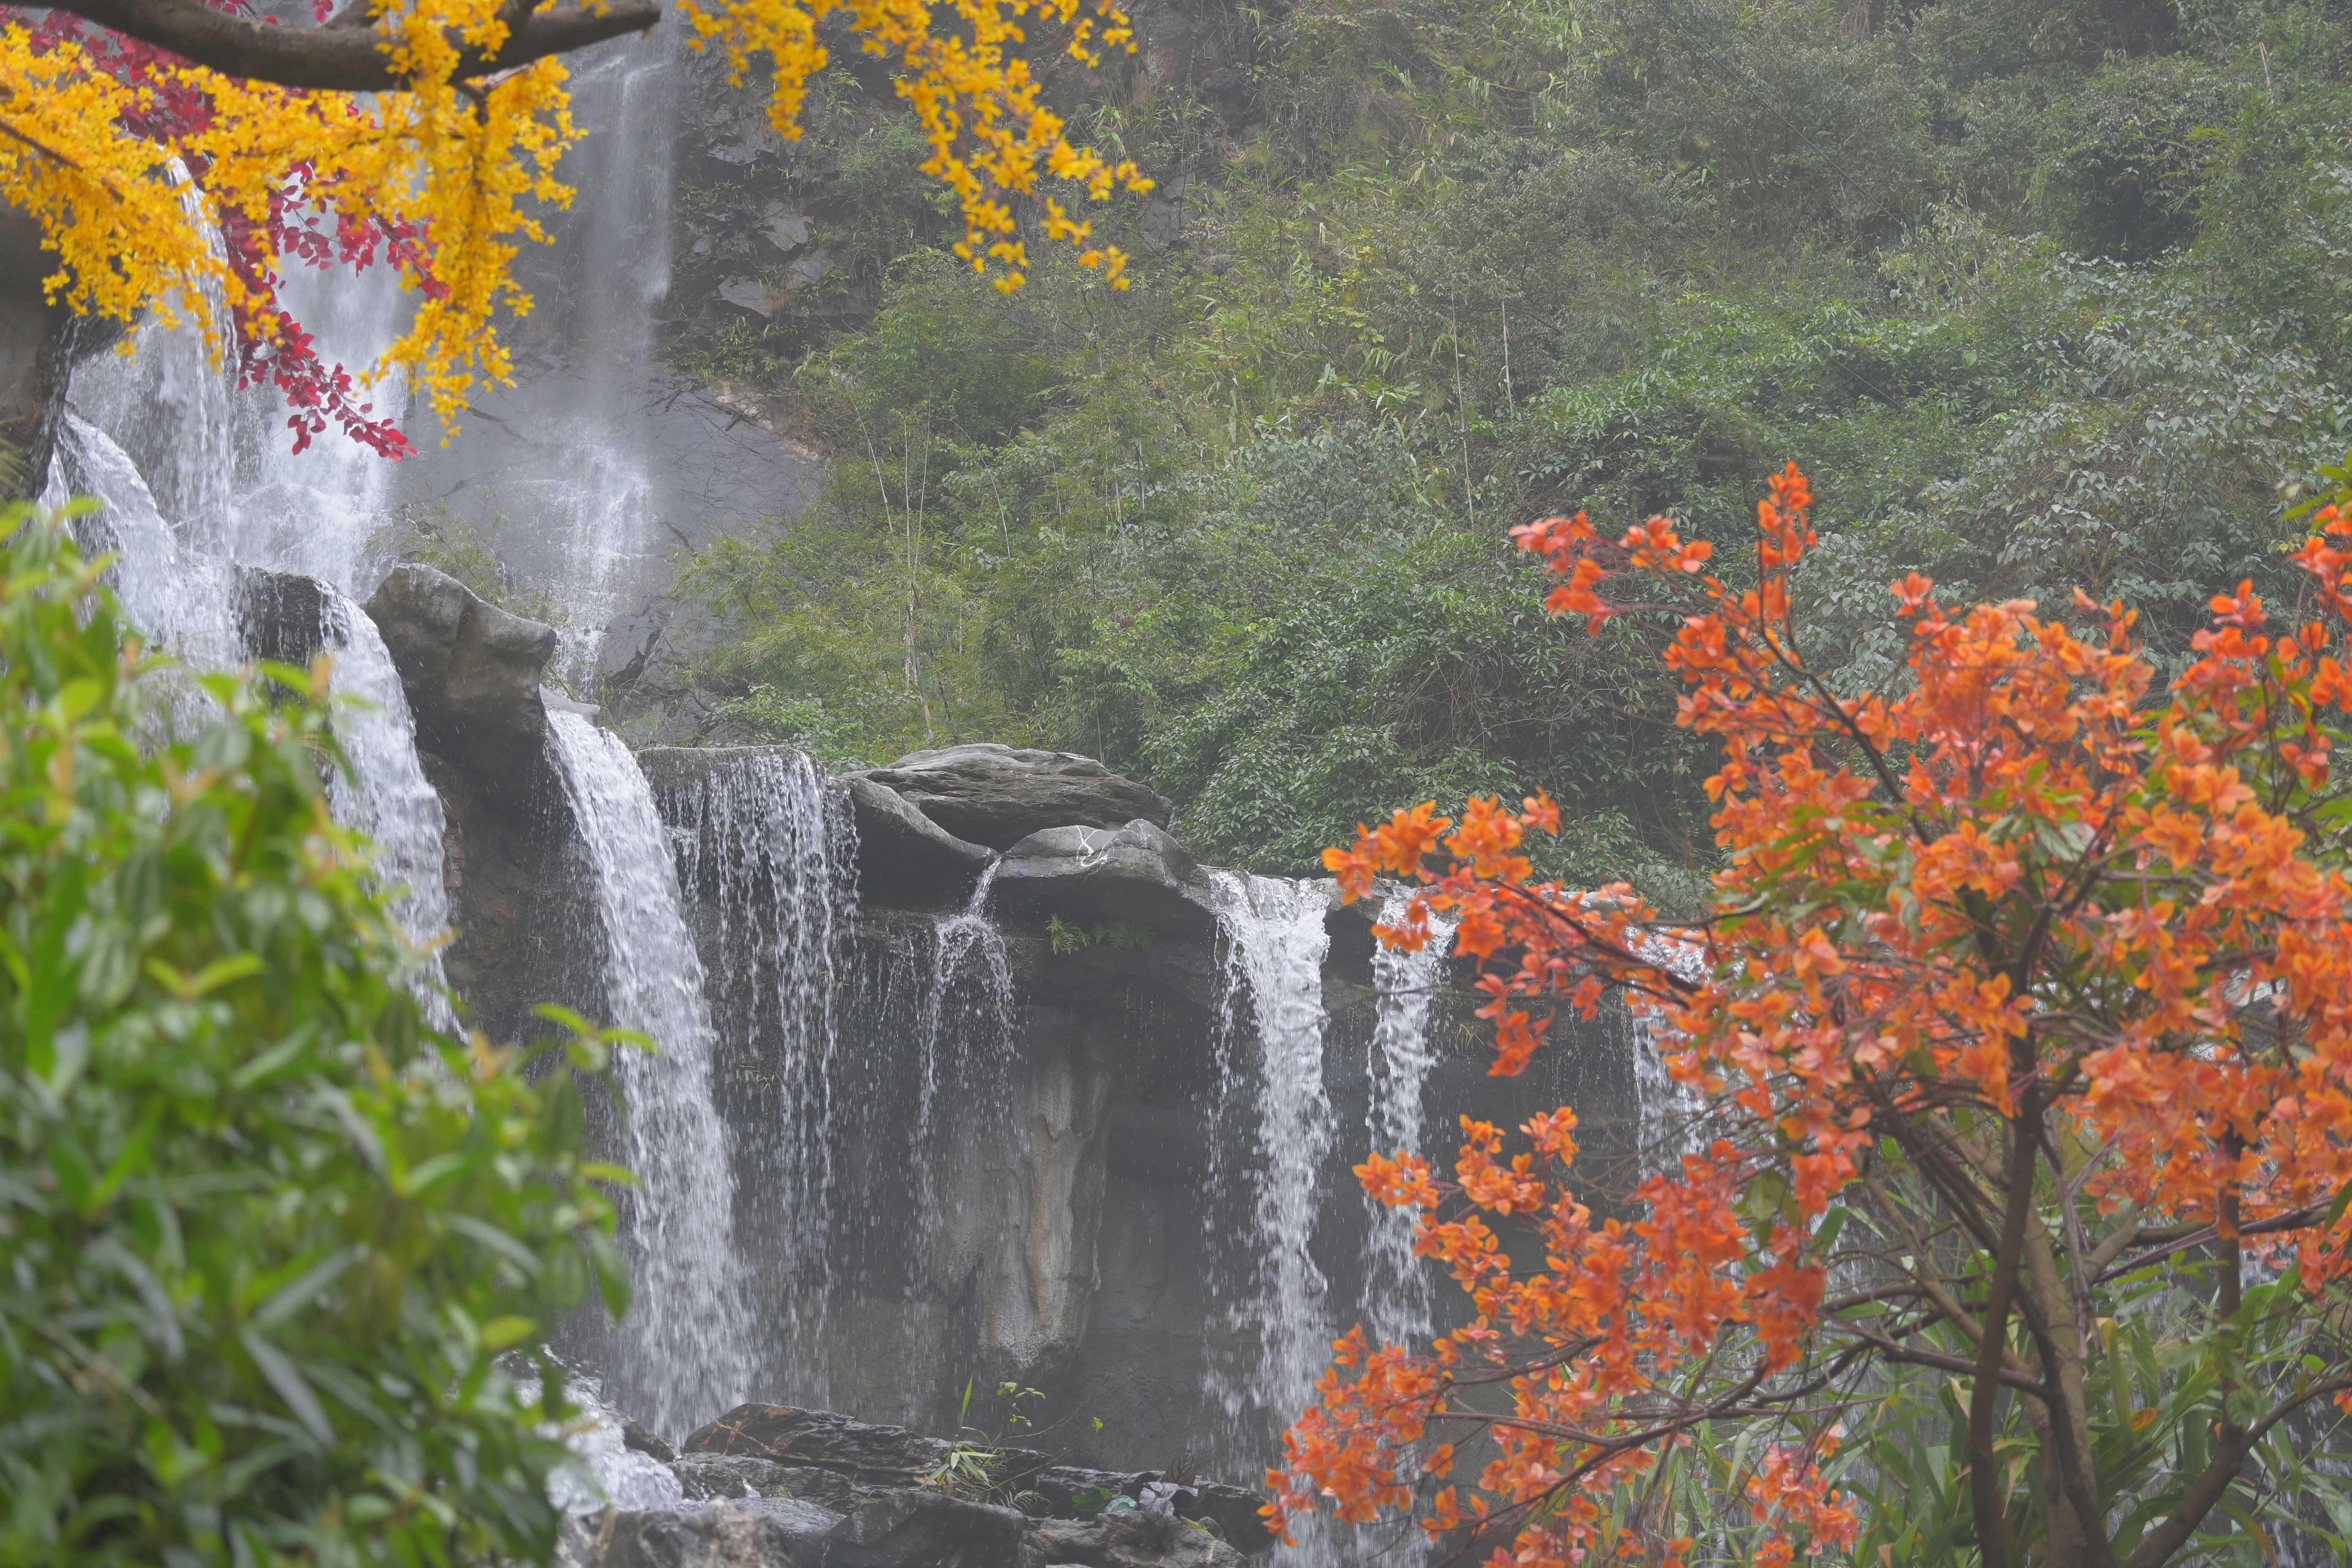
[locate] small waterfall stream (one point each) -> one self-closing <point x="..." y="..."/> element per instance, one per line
<point x="685" y="1348"/>
<point x="387" y="796"/>
<point x="1269" y="1289"/>
<point x="772" y="850"/>
<point x="1397" y="1305"/>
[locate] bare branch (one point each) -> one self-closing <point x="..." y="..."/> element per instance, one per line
<point x="348" y="58"/>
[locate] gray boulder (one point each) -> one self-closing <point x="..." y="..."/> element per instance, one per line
<point x="904" y="856"/>
<point x="769" y="1532"/>
<point x="1134" y="873"/>
<point x="280" y="616"/>
<point x="910" y="1529"/>
<point x="1232" y="1510"/>
<point x="998" y="796"/>
<point x="471" y="672"/>
<point x="714" y="1477"/>
<point x="871" y="1455"/>
<point x="1134" y="1539"/>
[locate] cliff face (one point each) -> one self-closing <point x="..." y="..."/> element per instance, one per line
<point x="1033" y="1139"/>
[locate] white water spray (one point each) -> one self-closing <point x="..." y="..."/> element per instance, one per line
<point x="685" y="1350"/>
<point x="1278" y="1313"/>
<point x="1397" y="1304"/>
<point x="772" y="850"/>
<point x="387" y="796"/>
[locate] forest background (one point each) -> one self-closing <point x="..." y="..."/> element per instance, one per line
<point x="2044" y="293"/>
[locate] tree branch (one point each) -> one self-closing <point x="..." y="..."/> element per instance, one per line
<point x="342" y="60"/>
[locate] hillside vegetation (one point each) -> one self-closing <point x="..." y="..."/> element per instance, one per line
<point x="2041" y="292"/>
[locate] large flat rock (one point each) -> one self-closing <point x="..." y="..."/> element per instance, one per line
<point x="998" y="796"/>
<point x="1134" y="873"/>
<point x="766" y="1533"/>
<point x="903" y="857"/>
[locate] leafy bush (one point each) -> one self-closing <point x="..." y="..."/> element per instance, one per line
<point x="265" y="1232"/>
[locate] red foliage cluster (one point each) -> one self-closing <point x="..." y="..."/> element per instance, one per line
<point x="2031" y="892"/>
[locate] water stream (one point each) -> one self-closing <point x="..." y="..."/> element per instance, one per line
<point x="387" y="795"/>
<point x="684" y="1353"/>
<point x="1268" y="1289"/>
<point x="771" y="849"/>
<point x="1397" y="1304"/>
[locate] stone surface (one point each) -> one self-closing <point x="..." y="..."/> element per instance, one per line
<point x="904" y="856"/>
<point x="471" y="672"/>
<point x="771" y="1450"/>
<point x="280" y="616"/>
<point x="717" y="1476"/>
<point x="867" y="1453"/>
<point x="911" y="1529"/>
<point x="1136" y="1539"/>
<point x="998" y="796"/>
<point x="1134" y="873"/>
<point x="756" y="1533"/>
<point x="1234" y="1509"/>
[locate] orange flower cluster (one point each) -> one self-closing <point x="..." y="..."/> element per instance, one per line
<point x="2031" y="889"/>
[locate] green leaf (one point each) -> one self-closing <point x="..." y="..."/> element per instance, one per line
<point x="288" y="1379"/>
<point x="501" y="1333"/>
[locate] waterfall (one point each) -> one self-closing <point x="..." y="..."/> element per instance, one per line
<point x="773" y="850"/>
<point x="685" y="1350"/>
<point x="196" y="478"/>
<point x="1273" y="1293"/>
<point x="966" y="1029"/>
<point x="1397" y="1304"/>
<point x="184" y="598"/>
<point x="387" y="795"/>
<point x="1670" y="1115"/>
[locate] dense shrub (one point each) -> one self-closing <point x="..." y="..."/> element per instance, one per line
<point x="263" y="1233"/>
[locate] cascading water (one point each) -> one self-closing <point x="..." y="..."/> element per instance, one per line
<point x="182" y="597"/>
<point x="387" y="796"/>
<point x="1271" y="1292"/>
<point x="774" y="850"/>
<point x="1671" y="1115"/>
<point x="683" y="1354"/>
<point x="163" y="441"/>
<point x="966" y="1027"/>
<point x="1397" y="1305"/>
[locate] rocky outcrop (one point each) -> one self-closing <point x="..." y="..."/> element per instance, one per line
<point x="903" y="857"/>
<point x="471" y="672"/>
<point x="760" y="1534"/>
<point x="772" y="1487"/>
<point x="1136" y="874"/>
<point x="776" y="1450"/>
<point x="40" y="342"/>
<point x="998" y="796"/>
<point x="1135" y="1538"/>
<point x="280" y="616"/>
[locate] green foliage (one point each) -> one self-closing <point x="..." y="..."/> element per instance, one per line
<point x="265" y="1232"/>
<point x="2043" y="293"/>
<point x="1067" y="937"/>
<point x="2155" y="1381"/>
<point x="974" y="1468"/>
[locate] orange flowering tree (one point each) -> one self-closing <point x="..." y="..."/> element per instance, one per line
<point x="2018" y="1044"/>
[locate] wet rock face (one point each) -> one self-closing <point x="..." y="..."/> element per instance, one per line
<point x="1135" y="1539"/>
<point x="904" y="856"/>
<point x="471" y="672"/>
<point x="280" y="616"/>
<point x="773" y="1487"/>
<point x="998" y="796"/>
<point x="1137" y="874"/>
<point x="775" y="1450"/>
